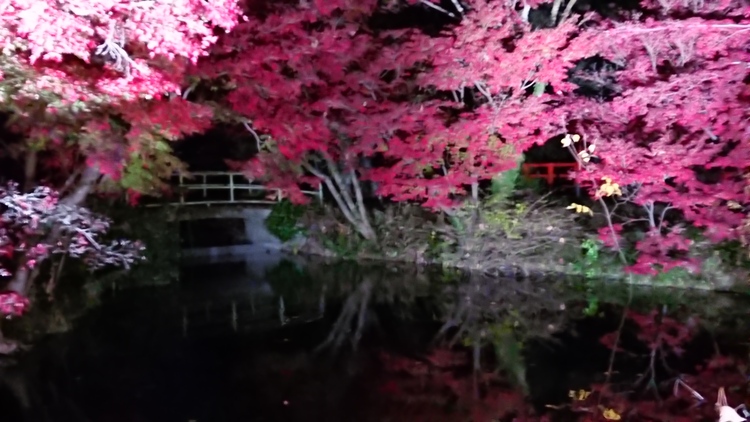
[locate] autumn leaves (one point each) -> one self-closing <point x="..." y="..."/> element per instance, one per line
<point x="583" y="156"/>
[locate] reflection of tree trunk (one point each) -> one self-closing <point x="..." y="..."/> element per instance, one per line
<point x="29" y="170"/>
<point x="23" y="276"/>
<point x="350" y="203"/>
<point x="16" y="382"/>
<point x="355" y="307"/>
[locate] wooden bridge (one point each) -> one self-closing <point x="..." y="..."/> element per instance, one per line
<point x="548" y="171"/>
<point x="227" y="188"/>
<point x="234" y="188"/>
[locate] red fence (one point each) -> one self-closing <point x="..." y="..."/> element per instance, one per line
<point x="547" y="171"/>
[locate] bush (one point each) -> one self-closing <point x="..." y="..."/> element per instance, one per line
<point x="283" y="220"/>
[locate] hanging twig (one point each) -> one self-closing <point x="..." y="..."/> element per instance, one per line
<point x="253" y="132"/>
<point x="458" y="6"/>
<point x="430" y="4"/>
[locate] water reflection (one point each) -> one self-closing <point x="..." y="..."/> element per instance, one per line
<point x="343" y="342"/>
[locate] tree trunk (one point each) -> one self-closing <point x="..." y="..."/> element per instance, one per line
<point x="353" y="208"/>
<point x="29" y="170"/>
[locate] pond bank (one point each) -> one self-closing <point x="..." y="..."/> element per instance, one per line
<point x="565" y="252"/>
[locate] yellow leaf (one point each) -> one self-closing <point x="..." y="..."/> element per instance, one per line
<point x="609" y="188"/>
<point x="610" y="414"/>
<point x="580" y="209"/>
<point x="579" y="395"/>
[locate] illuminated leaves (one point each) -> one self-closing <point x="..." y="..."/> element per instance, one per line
<point x="569" y="140"/>
<point x="579" y="395"/>
<point x="611" y="415"/>
<point x="26" y="219"/>
<point x="679" y="101"/>
<point x="40" y="33"/>
<point x="580" y="209"/>
<point x="608" y="188"/>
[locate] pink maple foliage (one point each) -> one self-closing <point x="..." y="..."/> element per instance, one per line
<point x="440" y="113"/>
<point x="103" y="79"/>
<point x="150" y="41"/>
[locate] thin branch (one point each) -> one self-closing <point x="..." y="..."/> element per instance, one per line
<point x="486" y="92"/>
<point x="253" y="132"/>
<point x="555" y="10"/>
<point x="91" y="240"/>
<point x="458" y="6"/>
<point x="568" y="10"/>
<point x="432" y="5"/>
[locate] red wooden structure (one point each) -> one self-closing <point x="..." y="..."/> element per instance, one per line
<point x="547" y="171"/>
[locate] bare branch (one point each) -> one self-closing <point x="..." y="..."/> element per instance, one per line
<point x="432" y="5"/>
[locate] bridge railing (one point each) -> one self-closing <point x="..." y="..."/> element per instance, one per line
<point x="547" y="171"/>
<point x="226" y="188"/>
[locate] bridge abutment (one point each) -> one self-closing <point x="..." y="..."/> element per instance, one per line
<point x="255" y="237"/>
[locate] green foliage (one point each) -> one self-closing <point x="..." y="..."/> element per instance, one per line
<point x="283" y="220"/>
<point x="451" y="276"/>
<point x="500" y="212"/>
<point x="504" y="184"/>
<point x="292" y="282"/>
<point x="591" y="266"/>
<point x="508" y="347"/>
<point x="508" y="220"/>
<point x="148" y="169"/>
<point x="343" y="245"/>
<point x="673" y="277"/>
<point x="733" y="253"/>
<point x="437" y="244"/>
<point x="509" y="352"/>
<point x="160" y="235"/>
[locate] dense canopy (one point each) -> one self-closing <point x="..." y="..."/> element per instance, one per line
<point x="422" y="101"/>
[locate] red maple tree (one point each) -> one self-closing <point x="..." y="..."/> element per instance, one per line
<point x="94" y="88"/>
<point x="104" y="78"/>
<point x="442" y="112"/>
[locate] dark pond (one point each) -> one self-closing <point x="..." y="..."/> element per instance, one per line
<point x="309" y="341"/>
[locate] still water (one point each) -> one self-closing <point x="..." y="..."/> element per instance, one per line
<point x="310" y="341"/>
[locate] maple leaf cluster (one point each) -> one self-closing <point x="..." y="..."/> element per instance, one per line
<point x="28" y="219"/>
<point x="143" y="39"/>
<point x="102" y="79"/>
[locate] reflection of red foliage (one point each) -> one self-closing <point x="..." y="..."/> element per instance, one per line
<point x="657" y="330"/>
<point x="441" y="388"/>
<point x="680" y="407"/>
<point x="662" y="335"/>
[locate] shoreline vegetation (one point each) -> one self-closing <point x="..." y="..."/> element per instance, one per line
<point x="528" y="236"/>
<point x="540" y="240"/>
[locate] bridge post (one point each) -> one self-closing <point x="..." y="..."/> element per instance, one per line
<point x="234" y="315"/>
<point x="550" y="174"/>
<point x="231" y="188"/>
<point x="184" y="322"/>
<point x="182" y="192"/>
